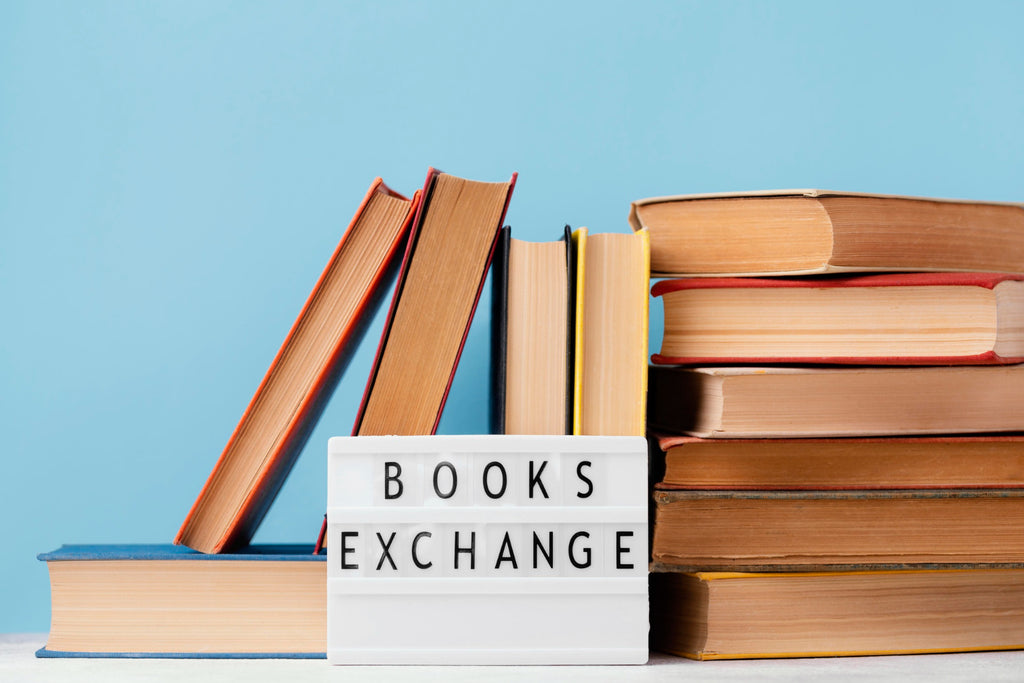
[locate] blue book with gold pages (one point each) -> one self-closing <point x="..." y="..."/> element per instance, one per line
<point x="264" y="601"/>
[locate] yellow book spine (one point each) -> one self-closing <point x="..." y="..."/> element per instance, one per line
<point x="579" y="239"/>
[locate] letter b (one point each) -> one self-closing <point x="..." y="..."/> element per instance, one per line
<point x="392" y="472"/>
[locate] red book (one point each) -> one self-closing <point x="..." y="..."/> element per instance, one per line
<point x="898" y="319"/>
<point x="290" y="399"/>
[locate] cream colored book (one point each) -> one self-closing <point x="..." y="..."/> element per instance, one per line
<point x="769" y="402"/>
<point x="612" y="279"/>
<point x="801" y="232"/>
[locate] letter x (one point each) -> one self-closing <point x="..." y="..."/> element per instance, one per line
<point x="385" y="550"/>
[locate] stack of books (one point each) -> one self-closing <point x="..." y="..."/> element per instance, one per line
<point x="847" y="475"/>
<point x="214" y="594"/>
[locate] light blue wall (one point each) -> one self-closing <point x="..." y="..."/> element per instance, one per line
<point x="173" y="176"/>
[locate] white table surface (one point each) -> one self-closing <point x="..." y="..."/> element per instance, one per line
<point x="18" y="663"/>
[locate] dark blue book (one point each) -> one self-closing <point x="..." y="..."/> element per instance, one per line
<point x="263" y="601"/>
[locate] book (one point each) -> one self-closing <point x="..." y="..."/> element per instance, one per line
<point x="534" y="307"/>
<point x="290" y="399"/>
<point x="610" y="385"/>
<point x="170" y="601"/>
<point x="809" y="530"/>
<point x="920" y="318"/>
<point x="450" y="249"/>
<point x="866" y="463"/>
<point x="802" y="232"/>
<point x="759" y="402"/>
<point x="710" y="615"/>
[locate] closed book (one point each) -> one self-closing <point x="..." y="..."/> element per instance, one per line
<point x="712" y="615"/>
<point x="803" y="232"/>
<point x="169" y="601"/>
<point x="993" y="461"/>
<point x="289" y="401"/>
<point x="612" y="279"/>
<point x="912" y="319"/>
<point x="838" y="529"/>
<point x="815" y="401"/>
<point x="533" y="332"/>
<point x="450" y="249"/>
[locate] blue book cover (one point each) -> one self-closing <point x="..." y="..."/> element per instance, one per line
<point x="172" y="553"/>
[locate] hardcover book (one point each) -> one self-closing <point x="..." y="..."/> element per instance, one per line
<point x="709" y="615"/>
<point x="813" y="530"/>
<point x="533" y="326"/>
<point x="170" y="601"/>
<point x="290" y="399"/>
<point x="450" y="250"/>
<point x="612" y="279"/>
<point x="804" y="232"/>
<point x="771" y="401"/>
<point x="685" y="462"/>
<point x="914" y="319"/>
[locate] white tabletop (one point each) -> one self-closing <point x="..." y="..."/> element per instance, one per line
<point x="18" y="663"/>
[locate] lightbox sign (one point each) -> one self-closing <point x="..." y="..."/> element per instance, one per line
<point x="487" y="550"/>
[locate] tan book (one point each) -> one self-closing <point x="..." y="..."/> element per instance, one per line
<point x="711" y="615"/>
<point x="612" y="278"/>
<point x="873" y="463"/>
<point x="810" y="530"/>
<point x="290" y="399"/>
<point x="892" y="319"/>
<point x="800" y="232"/>
<point x="170" y="601"/>
<point x="759" y="402"/>
<point x="533" y="334"/>
<point x="451" y="245"/>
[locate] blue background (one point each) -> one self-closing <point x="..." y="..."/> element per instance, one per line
<point x="174" y="176"/>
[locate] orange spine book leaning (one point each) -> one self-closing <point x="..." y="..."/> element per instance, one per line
<point x="290" y="399"/>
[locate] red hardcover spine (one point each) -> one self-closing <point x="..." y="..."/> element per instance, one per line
<point x="279" y="463"/>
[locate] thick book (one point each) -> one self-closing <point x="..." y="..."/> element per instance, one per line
<point x="921" y="462"/>
<point x="807" y="530"/>
<point x="450" y="249"/>
<point x="803" y="232"/>
<point x="610" y="385"/>
<point x="712" y="615"/>
<point x="913" y="319"/>
<point x="169" y="601"/>
<point x="292" y="396"/>
<point x="771" y="401"/>
<point x="533" y="325"/>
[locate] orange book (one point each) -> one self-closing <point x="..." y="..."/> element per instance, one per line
<point x="290" y="399"/>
